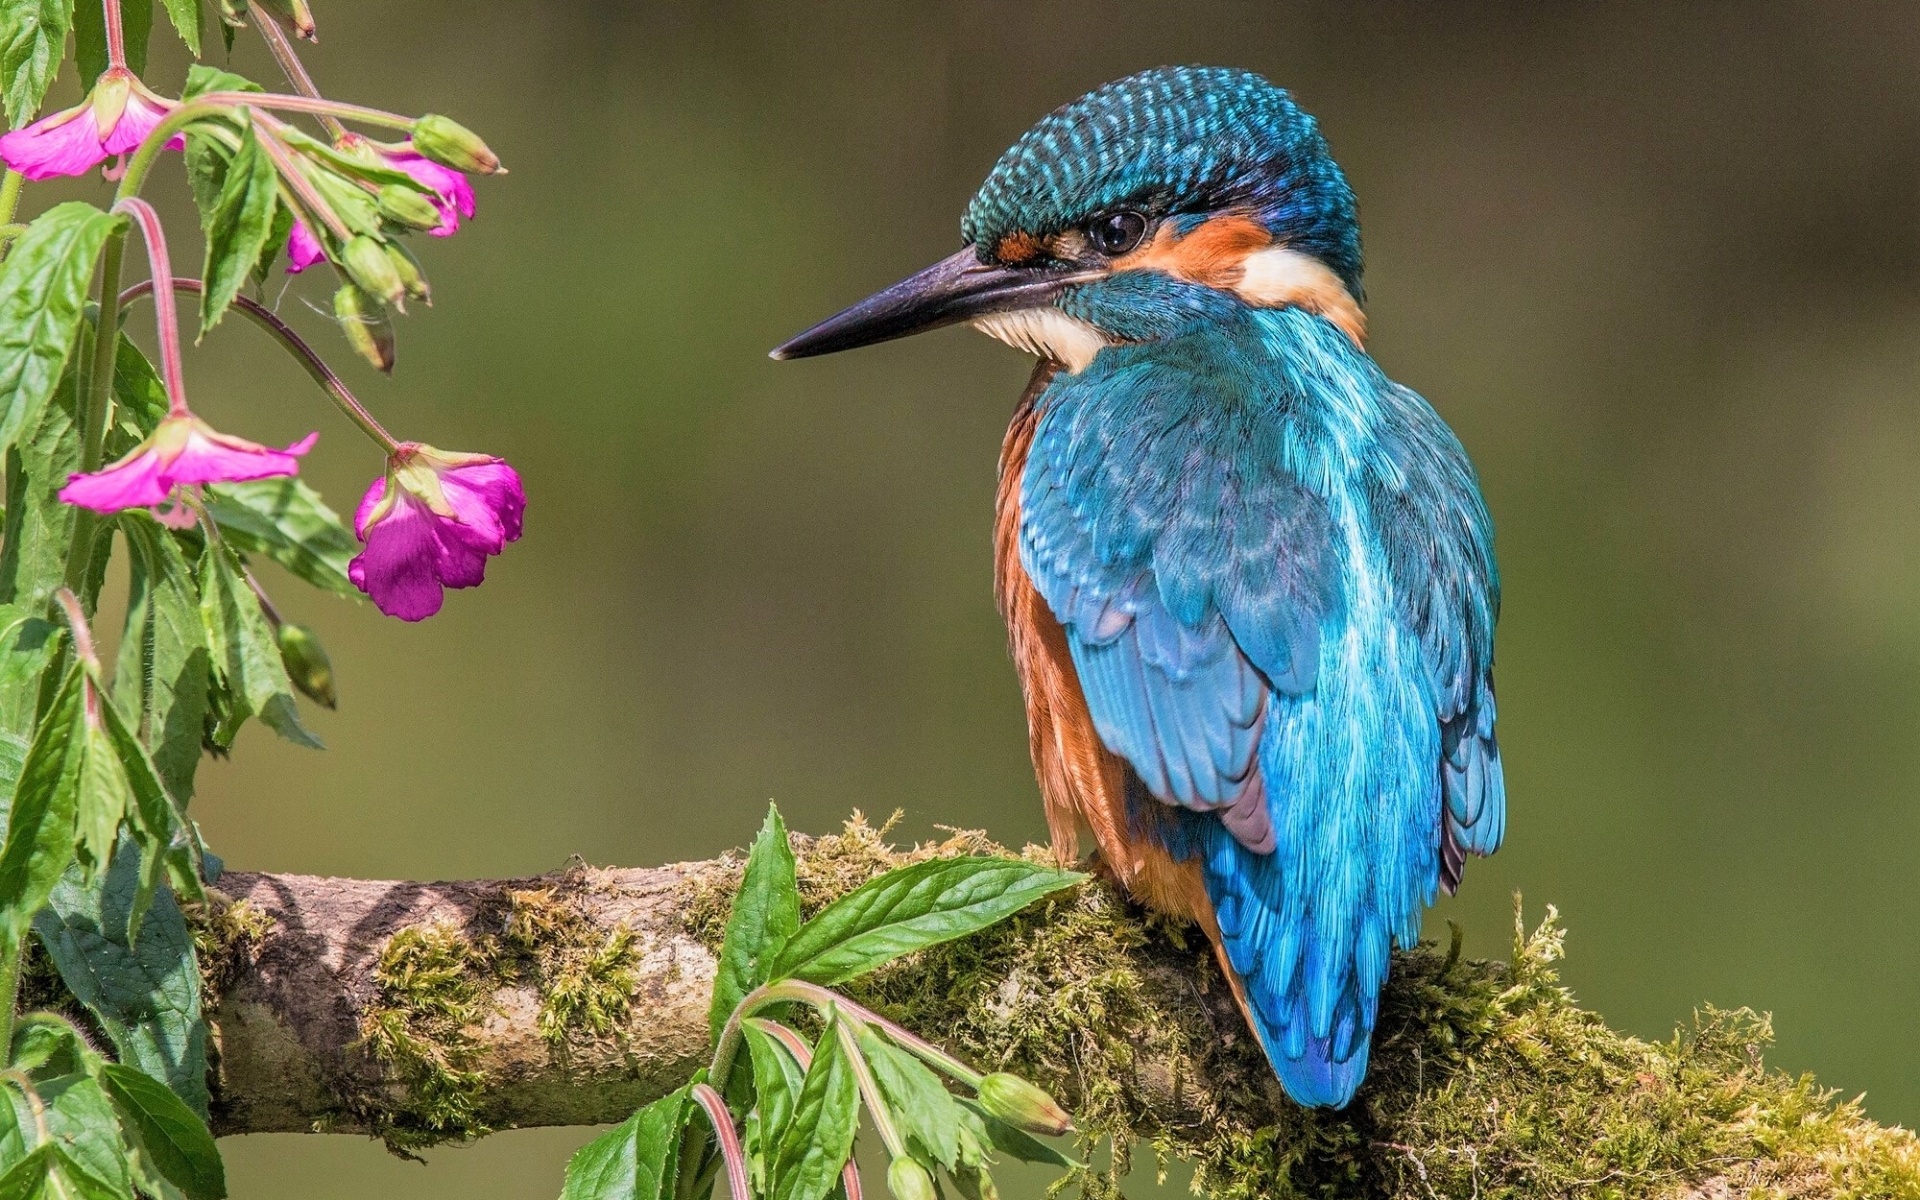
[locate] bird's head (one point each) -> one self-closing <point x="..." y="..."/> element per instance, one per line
<point x="1160" y="201"/>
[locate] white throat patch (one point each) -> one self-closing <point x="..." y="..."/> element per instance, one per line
<point x="1048" y="332"/>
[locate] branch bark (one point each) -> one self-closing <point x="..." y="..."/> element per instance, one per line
<point x="423" y="1012"/>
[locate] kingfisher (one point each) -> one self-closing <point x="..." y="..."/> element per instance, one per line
<point x="1248" y="580"/>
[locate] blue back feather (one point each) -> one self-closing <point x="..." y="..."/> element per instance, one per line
<point x="1276" y="576"/>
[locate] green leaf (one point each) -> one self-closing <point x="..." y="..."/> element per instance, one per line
<point x="185" y="15"/>
<point x="81" y="1125"/>
<point x="237" y="226"/>
<point x="43" y="290"/>
<point x="246" y="657"/>
<point x="989" y="1131"/>
<point x="27" y="1179"/>
<point x="910" y="909"/>
<point x="139" y="400"/>
<point x="776" y="1084"/>
<point x="68" y="1180"/>
<point x="819" y="1137"/>
<point x="202" y="79"/>
<point x="28" y="642"/>
<point x="638" y="1159"/>
<point x="160" y="680"/>
<point x="39" y="528"/>
<point x="173" y="1136"/>
<point x="40" y="821"/>
<point x="33" y="39"/>
<point x="922" y="1106"/>
<point x="287" y="521"/>
<point x="146" y="994"/>
<point x="159" y="828"/>
<point x="765" y="914"/>
<point x="102" y="799"/>
<point x="90" y="36"/>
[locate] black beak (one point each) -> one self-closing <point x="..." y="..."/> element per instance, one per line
<point x="957" y="288"/>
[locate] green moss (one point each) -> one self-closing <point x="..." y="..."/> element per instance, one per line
<point x="434" y="989"/>
<point x="584" y="974"/>
<point x="225" y="934"/>
<point x="1487" y="1078"/>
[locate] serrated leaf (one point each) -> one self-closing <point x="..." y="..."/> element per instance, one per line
<point x="202" y="79"/>
<point x="146" y="995"/>
<point x="237" y="226"/>
<point x="766" y="912"/>
<point x="33" y="39"/>
<point x="102" y="800"/>
<point x="777" y="1080"/>
<point x="90" y="36"/>
<point x="80" y="1124"/>
<point x="27" y="1179"/>
<point x="819" y="1136"/>
<point x="160" y="681"/>
<point x="43" y="291"/>
<point x="38" y="528"/>
<point x="28" y="643"/>
<point x="173" y="1135"/>
<point x="287" y="521"/>
<point x="40" y="820"/>
<point x="139" y="399"/>
<point x="185" y="15"/>
<point x="910" y="909"/>
<point x="638" y="1159"/>
<point x="922" y="1106"/>
<point x="245" y="654"/>
<point x="158" y="826"/>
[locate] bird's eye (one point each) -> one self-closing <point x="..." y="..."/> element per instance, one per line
<point x="1117" y="233"/>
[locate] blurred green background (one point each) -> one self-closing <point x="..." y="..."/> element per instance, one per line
<point x="1657" y="266"/>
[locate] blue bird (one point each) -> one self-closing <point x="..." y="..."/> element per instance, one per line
<point x="1248" y="580"/>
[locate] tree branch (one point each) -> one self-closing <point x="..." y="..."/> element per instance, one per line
<point x="425" y="1012"/>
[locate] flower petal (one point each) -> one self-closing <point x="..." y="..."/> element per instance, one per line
<point x="211" y="457"/>
<point x="492" y="487"/>
<point x="136" y="122"/>
<point x="140" y="480"/>
<point x="303" y="249"/>
<point x="399" y="568"/>
<point x="65" y="143"/>
<point x="453" y="194"/>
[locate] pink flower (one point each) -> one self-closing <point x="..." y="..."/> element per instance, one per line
<point x="430" y="523"/>
<point x="303" y="249"/>
<point x="183" y="449"/>
<point x="114" y="119"/>
<point x="452" y="194"/>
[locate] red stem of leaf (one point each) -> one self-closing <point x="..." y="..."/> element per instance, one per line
<point x="735" y="1158"/>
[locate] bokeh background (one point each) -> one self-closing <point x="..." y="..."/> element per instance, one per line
<point x="1659" y="265"/>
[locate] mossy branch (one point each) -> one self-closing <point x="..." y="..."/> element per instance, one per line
<point x="423" y="1013"/>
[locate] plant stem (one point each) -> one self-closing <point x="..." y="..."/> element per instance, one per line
<point x="275" y="35"/>
<point x="296" y="346"/>
<point x="166" y="315"/>
<point x="135" y="176"/>
<point x="12" y="950"/>
<point x="312" y="201"/>
<point x="10" y="195"/>
<point x="870" y="1089"/>
<point x="116" y="36"/>
<point x="729" y="1139"/>
<point x="93" y="395"/>
<point x="316" y="105"/>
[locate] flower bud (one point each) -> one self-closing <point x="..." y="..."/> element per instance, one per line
<point x="405" y="206"/>
<point x="365" y="323"/>
<point x="908" y="1180"/>
<point x="408" y="269"/>
<point x="1022" y="1105"/>
<point x="307" y="664"/>
<point x="452" y="144"/>
<point x="367" y="263"/>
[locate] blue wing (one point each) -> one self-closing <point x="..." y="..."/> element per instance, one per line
<point x="1329" y="757"/>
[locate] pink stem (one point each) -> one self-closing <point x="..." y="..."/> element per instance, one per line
<point x="163" y="310"/>
<point x="116" y="36"/>
<point x="723" y="1130"/>
<point x="316" y="205"/>
<point x="77" y="620"/>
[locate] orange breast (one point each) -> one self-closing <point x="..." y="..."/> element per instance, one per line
<point x="1081" y="781"/>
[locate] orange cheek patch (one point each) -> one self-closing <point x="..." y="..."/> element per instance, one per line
<point x="1019" y="248"/>
<point x="1210" y="254"/>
